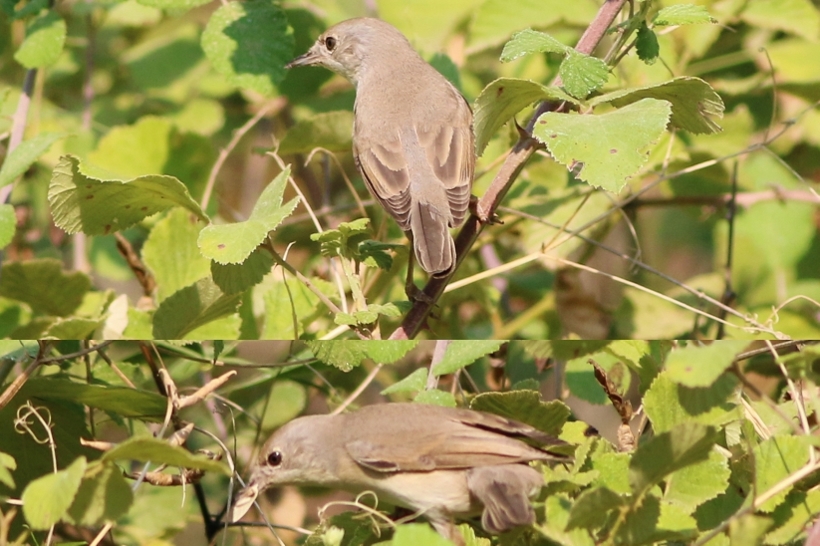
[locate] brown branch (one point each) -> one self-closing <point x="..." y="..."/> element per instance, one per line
<point x="508" y="173"/>
<point x="145" y="278"/>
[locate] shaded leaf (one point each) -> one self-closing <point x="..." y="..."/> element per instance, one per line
<point x="524" y="406"/>
<point x="683" y="445"/>
<point x="103" y="496"/>
<point x="330" y="130"/>
<point x="249" y="43"/>
<point x="46" y="499"/>
<point x="153" y="450"/>
<point x="192" y="307"/>
<point x="695" y="105"/>
<point x="42" y="284"/>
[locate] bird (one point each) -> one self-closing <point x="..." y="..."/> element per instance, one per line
<point x="413" y="138"/>
<point x="445" y="463"/>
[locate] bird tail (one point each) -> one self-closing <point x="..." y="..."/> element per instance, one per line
<point x="434" y="246"/>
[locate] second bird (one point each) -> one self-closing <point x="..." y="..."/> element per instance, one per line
<point x="412" y="133"/>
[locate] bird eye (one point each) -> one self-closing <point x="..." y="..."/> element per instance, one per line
<point x="274" y="458"/>
<point x="330" y="43"/>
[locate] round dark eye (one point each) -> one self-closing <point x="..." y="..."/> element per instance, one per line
<point x="274" y="458"/>
<point x="330" y="43"/>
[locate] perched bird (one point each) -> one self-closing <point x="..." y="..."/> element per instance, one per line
<point x="445" y="463"/>
<point x="412" y="133"/>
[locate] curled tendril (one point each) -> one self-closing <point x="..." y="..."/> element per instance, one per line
<point x="23" y="423"/>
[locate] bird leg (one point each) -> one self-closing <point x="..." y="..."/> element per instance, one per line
<point x="482" y="215"/>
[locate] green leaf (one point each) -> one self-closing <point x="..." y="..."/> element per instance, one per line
<point x="344" y="240"/>
<point x="123" y="401"/>
<point x="192" y="307"/>
<point x="24" y="156"/>
<point x="415" y="534"/>
<point x="590" y="509"/>
<point x="290" y="304"/>
<point x="435" y="397"/>
<point x="369" y="316"/>
<point x="582" y="74"/>
<point x="154" y="145"/>
<point x="682" y="14"/>
<point x="774" y="460"/>
<point x="103" y="496"/>
<point x="697" y="483"/>
<point x="494" y="20"/>
<point x="675" y="524"/>
<point x="99" y="207"/>
<point x="233" y="243"/>
<point x="524" y="406"/>
<point x="375" y="253"/>
<point x="748" y="530"/>
<point x="605" y="150"/>
<point x="613" y="469"/>
<point x="72" y="328"/>
<point x="175" y="6"/>
<point x="153" y="450"/>
<point x="8" y="224"/>
<point x="694" y="103"/>
<point x="668" y="404"/>
<point x="45" y="37"/>
<point x="794" y="16"/>
<point x="236" y="278"/>
<point x="42" y="284"/>
<point x="695" y="366"/>
<point x="170" y="252"/>
<point x="46" y="499"/>
<point x="503" y="99"/>
<point x="287" y="400"/>
<point x="7" y="464"/>
<point x="346" y="355"/>
<point x="685" y="444"/>
<point x="414" y="382"/>
<point x="527" y="42"/>
<point x="463" y="353"/>
<point x="447" y="68"/>
<point x="793" y="516"/>
<point x="639" y="522"/>
<point x="646" y="45"/>
<point x="329" y="130"/>
<point x="249" y="44"/>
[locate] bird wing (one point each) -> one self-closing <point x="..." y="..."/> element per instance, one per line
<point x="462" y="440"/>
<point x="384" y="169"/>
<point x="448" y="148"/>
<point x="449" y="151"/>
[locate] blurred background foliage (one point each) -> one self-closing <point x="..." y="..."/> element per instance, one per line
<point x="152" y="87"/>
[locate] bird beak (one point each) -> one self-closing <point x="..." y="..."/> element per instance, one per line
<point x="307" y="59"/>
<point x="243" y="501"/>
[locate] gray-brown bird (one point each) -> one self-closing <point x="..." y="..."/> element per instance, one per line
<point x="446" y="463"/>
<point x="412" y="133"/>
